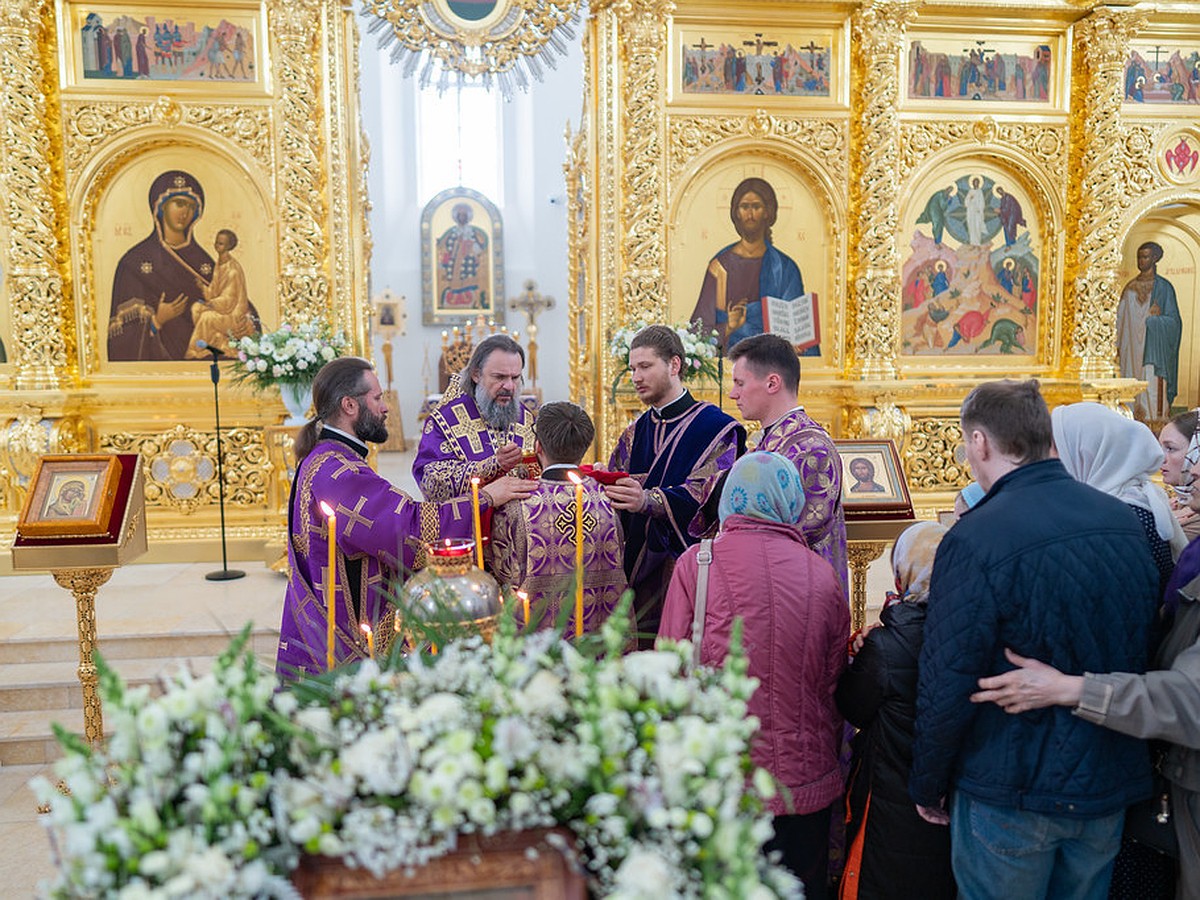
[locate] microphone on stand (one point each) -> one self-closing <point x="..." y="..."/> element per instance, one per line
<point x="226" y="573"/>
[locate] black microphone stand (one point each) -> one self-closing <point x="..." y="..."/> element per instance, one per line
<point x="226" y="573"/>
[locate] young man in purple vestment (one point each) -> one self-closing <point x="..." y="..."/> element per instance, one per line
<point x="480" y="429"/>
<point x="672" y="452"/>
<point x="766" y="382"/>
<point x="533" y="542"/>
<point x="380" y="529"/>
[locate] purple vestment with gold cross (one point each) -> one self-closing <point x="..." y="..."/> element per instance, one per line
<point x="458" y="445"/>
<point x="533" y="550"/>
<point x="381" y="533"/>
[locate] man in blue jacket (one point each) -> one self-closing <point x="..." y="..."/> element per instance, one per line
<point x="1055" y="570"/>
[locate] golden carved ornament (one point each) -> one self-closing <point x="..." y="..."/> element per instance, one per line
<point x="884" y="420"/>
<point x="88" y="124"/>
<point x="643" y="276"/>
<point x="1102" y="46"/>
<point x="823" y="139"/>
<point x="427" y="32"/>
<point x="32" y="433"/>
<point x="83" y="584"/>
<point x="304" y="289"/>
<point x="879" y="29"/>
<point x="1040" y="146"/>
<point x="181" y="466"/>
<point x="579" y="328"/>
<point x="934" y="456"/>
<point x="41" y="313"/>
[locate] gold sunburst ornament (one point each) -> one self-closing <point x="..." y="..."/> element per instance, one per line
<point x="503" y="42"/>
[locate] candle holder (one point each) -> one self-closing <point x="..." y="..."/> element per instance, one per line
<point x="450" y="594"/>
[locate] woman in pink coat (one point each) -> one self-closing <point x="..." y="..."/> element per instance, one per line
<point x="795" y="629"/>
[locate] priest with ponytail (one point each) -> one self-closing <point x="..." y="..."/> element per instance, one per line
<point x="380" y="529"/>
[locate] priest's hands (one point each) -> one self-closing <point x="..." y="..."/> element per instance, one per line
<point x="509" y="455"/>
<point x="508" y="487"/>
<point x="626" y="495"/>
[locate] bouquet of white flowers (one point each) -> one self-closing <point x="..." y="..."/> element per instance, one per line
<point x="699" y="352"/>
<point x="290" y="355"/>
<point x="217" y="786"/>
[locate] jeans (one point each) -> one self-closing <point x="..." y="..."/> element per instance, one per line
<point x="1004" y="853"/>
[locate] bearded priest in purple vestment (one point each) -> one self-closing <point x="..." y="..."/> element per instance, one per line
<point x="533" y="542"/>
<point x="479" y="429"/>
<point x="381" y="531"/>
<point x="671" y="453"/>
<point x="766" y="381"/>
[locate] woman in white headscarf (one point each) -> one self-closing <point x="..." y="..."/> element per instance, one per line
<point x="1118" y="456"/>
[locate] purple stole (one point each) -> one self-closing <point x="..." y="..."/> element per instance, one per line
<point x="456" y="445"/>
<point x="533" y="550"/>
<point x="380" y="536"/>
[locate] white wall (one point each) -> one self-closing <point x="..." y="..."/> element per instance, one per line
<point x="533" y="212"/>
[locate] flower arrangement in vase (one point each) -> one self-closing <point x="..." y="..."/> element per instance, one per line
<point x="216" y="788"/>
<point x="288" y="358"/>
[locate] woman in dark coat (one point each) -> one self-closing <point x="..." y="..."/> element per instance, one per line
<point x="892" y="851"/>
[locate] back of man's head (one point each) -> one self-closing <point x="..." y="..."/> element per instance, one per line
<point x="564" y="431"/>
<point x="338" y="379"/>
<point x="1015" y="417"/>
<point x="486" y="348"/>
<point x="769" y="353"/>
<point x="662" y="340"/>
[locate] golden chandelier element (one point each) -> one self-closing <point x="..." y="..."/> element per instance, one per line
<point x="487" y="39"/>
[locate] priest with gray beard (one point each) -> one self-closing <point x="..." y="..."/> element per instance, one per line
<point x="479" y="429"/>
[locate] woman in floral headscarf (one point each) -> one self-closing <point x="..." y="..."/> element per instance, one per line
<point x="893" y="851"/>
<point x="795" y="626"/>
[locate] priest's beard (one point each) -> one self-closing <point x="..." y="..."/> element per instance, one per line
<point x="370" y="427"/>
<point x="498" y="416"/>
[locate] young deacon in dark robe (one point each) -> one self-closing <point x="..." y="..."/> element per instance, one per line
<point x="671" y="452"/>
<point x="533" y="541"/>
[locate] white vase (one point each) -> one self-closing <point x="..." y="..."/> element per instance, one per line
<point x="298" y="400"/>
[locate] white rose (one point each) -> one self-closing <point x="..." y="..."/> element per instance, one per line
<point x="653" y="672"/>
<point x="644" y="873"/>
<point x="543" y="696"/>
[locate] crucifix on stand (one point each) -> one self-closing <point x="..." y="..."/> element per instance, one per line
<point x="532" y="303"/>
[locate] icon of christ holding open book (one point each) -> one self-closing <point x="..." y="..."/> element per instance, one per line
<point x="751" y="286"/>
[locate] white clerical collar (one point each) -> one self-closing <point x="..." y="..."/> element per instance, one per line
<point x="554" y="466"/>
<point x="352" y="438"/>
<point x="678" y="397"/>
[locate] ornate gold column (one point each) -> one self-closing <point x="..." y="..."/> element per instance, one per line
<point x="878" y="28"/>
<point x="304" y="290"/>
<point x="643" y="129"/>
<point x="83" y="584"/>
<point x="580" y="332"/>
<point x="629" y="43"/>
<point x="1102" y="47"/>
<point x="42" y="320"/>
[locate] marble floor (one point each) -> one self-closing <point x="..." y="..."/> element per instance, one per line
<point x="149" y="615"/>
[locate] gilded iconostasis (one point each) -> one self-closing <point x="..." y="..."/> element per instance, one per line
<point x="948" y="193"/>
<point x="968" y="191"/>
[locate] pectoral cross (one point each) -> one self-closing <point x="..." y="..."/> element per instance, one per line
<point x="532" y="303"/>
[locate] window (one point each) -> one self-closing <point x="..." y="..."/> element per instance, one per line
<point x="459" y="141"/>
